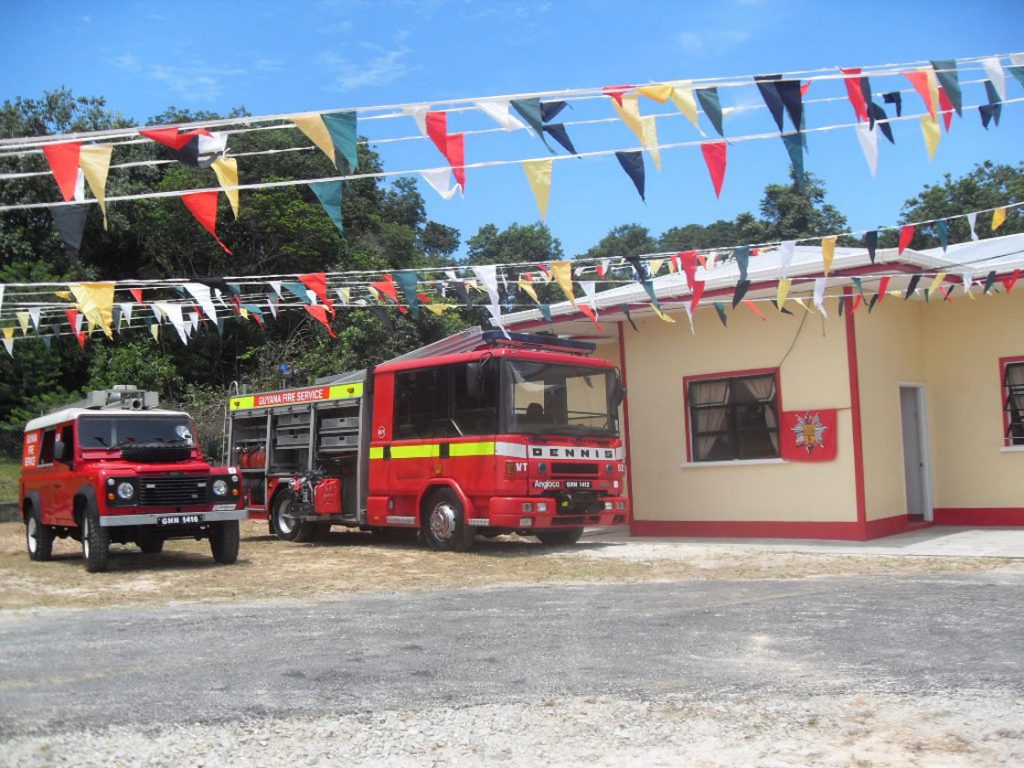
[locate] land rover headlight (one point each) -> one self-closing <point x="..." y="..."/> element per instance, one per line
<point x="220" y="487"/>
<point x="125" y="491"/>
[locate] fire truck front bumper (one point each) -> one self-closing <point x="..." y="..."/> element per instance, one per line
<point x="161" y="519"/>
<point x="544" y="512"/>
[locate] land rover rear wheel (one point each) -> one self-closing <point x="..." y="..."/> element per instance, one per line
<point x="95" y="542"/>
<point x="38" y="537"/>
<point x="444" y="523"/>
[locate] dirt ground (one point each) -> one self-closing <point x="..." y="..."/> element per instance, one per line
<point x="355" y="562"/>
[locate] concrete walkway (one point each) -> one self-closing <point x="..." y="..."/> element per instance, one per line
<point x="937" y="541"/>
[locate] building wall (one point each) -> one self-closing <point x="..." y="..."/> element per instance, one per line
<point x="963" y="343"/>
<point x="814" y="374"/>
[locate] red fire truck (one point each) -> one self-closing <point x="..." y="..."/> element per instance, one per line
<point x="115" y="468"/>
<point x="481" y="432"/>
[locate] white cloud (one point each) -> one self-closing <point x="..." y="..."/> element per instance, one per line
<point x="711" y="41"/>
<point x="126" y="61"/>
<point x="382" y="66"/>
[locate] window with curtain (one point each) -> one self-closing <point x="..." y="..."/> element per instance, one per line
<point x="1013" y="398"/>
<point x="734" y="417"/>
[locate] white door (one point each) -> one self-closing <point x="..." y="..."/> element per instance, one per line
<point x="915" y="454"/>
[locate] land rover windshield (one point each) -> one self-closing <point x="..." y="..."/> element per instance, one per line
<point x="119" y="431"/>
<point x="559" y="399"/>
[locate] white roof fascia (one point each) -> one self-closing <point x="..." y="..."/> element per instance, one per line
<point x="71" y="414"/>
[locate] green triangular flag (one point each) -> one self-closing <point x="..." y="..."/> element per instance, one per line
<point x="529" y="109"/>
<point x="720" y="309"/>
<point x="407" y="281"/>
<point x="329" y="194"/>
<point x="942" y="227"/>
<point x="545" y="310"/>
<point x="795" y="147"/>
<point x="708" y="98"/>
<point x="298" y="289"/>
<point x="860" y="287"/>
<point x="342" y="127"/>
<point x="945" y="70"/>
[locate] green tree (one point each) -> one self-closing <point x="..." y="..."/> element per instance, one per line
<point x="515" y="244"/>
<point x="624" y="240"/>
<point x="791" y="211"/>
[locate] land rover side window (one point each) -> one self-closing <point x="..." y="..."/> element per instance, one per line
<point x="474" y="404"/>
<point x="560" y="399"/>
<point x="117" y="431"/>
<point x="46" y="447"/>
<point x="415" y="396"/>
<point x="1013" y="396"/>
<point x="733" y="418"/>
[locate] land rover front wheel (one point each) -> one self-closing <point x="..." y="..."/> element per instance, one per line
<point x="444" y="523"/>
<point x="95" y="542"/>
<point x="38" y="537"/>
<point x="224" y="541"/>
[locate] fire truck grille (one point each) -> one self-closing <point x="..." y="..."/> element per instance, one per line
<point x="173" y="491"/>
<point x="573" y="468"/>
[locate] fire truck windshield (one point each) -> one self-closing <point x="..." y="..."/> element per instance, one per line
<point x="116" y="431"/>
<point x="561" y="399"/>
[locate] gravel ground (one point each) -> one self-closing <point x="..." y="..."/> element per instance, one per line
<point x="952" y="730"/>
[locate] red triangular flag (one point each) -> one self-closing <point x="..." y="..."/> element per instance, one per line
<point x="754" y="308"/>
<point x="855" y="94"/>
<point x="616" y="91"/>
<point x="320" y="313"/>
<point x="170" y="137"/>
<point x="856" y="303"/>
<point x="457" y="158"/>
<point x="906" y="235"/>
<point x="697" y="289"/>
<point x="136" y="294"/>
<point x="388" y="288"/>
<point x="920" y="82"/>
<point x="589" y="313"/>
<point x="689" y="266"/>
<point x="437" y="130"/>
<point x="883" y="286"/>
<point x="72" y="315"/>
<point x="317" y="283"/>
<point x="946" y="106"/>
<point x="1008" y="282"/>
<point x="805" y="88"/>
<point x="703" y="260"/>
<point x="63" y="160"/>
<point x="204" y="207"/>
<point x="715" y="156"/>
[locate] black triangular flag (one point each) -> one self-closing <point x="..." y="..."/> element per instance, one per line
<point x="871" y="240"/>
<point x="742" y="287"/>
<point x="912" y="286"/>
<point x="459" y="288"/>
<point x="383" y="317"/>
<point x="633" y="164"/>
<point x="720" y="309"/>
<point x="871" y="304"/>
<point x="896" y="98"/>
<point x="629" y="317"/>
<point x="188" y="154"/>
<point x="766" y="85"/>
<point x="783" y="310"/>
<point x="989" y="280"/>
<point x="881" y="119"/>
<point x="559" y="134"/>
<point x="793" y="100"/>
<point x="70" y="223"/>
<point x="865" y="89"/>
<point x="548" y="109"/>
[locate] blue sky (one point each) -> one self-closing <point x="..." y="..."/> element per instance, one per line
<point x="333" y="54"/>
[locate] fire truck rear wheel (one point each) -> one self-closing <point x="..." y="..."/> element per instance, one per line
<point x="224" y="541"/>
<point x="284" y="527"/>
<point x="38" y="537"/>
<point x="95" y="542"/>
<point x="560" y="538"/>
<point x="444" y="523"/>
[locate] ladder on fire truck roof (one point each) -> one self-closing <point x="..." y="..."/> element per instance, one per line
<point x="477" y="338"/>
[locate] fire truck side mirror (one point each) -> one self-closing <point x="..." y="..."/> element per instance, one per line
<point x="474" y="379"/>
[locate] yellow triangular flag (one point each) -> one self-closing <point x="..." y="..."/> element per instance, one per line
<point x="682" y="97"/>
<point x="9" y="338"/>
<point x="314" y="128"/>
<point x="538" y="173"/>
<point x="650" y="131"/>
<point x="528" y="289"/>
<point x="936" y="283"/>
<point x="95" y="164"/>
<point x="243" y="312"/>
<point x="660" y="92"/>
<point x="897" y="293"/>
<point x="62" y="294"/>
<point x="96" y="302"/>
<point x="828" y="252"/>
<point x="933" y="88"/>
<point x="226" y="169"/>
<point x="655" y="266"/>
<point x="154" y="331"/>
<point x="346" y="295"/>
<point x="561" y="271"/>
<point x="630" y="114"/>
<point x="803" y="303"/>
<point x="998" y="217"/>
<point x="23" y="320"/>
<point x="783" y="292"/>
<point x="661" y="314"/>
<point x="930" y="129"/>
<point x="437" y="309"/>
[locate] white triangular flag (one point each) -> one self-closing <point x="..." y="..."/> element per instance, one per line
<point x="590" y="290"/>
<point x="126" y="312"/>
<point x="819" y="294"/>
<point x="868" y="138"/>
<point x="79" y="195"/>
<point x="495" y="310"/>
<point x="34" y="313"/>
<point x="193" y="322"/>
<point x="440" y="180"/>
<point x="9" y="344"/>
<point x="173" y="313"/>
<point x="689" y="316"/>
<point x="971" y="218"/>
<point x="201" y="293"/>
<point x="275" y="286"/>
<point x="1" y="296"/>
<point x="498" y="111"/>
<point x="418" y="113"/>
<point x="272" y="303"/>
<point x="786" y="250"/>
<point x="487" y="274"/>
<point x="968" y="280"/>
<point x="214" y="144"/>
<point x="995" y="73"/>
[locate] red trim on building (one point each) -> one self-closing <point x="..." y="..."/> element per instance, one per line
<point x="1005" y="393"/>
<point x="727" y="375"/>
<point x="858" y="446"/>
<point x="625" y="420"/>
<point x="979" y="516"/>
<point x="768" y="529"/>
<point x="889" y="526"/>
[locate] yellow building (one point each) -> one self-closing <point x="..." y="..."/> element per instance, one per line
<point x="896" y="412"/>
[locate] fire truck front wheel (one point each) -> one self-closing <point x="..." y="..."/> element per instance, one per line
<point x="444" y="523"/>
<point x="95" y="542"/>
<point x="38" y="537"/>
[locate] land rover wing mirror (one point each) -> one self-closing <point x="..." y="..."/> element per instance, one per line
<point x="63" y="452"/>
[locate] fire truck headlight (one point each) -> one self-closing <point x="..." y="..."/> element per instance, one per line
<point x="542" y="506"/>
<point x="125" y="491"/>
<point x="220" y="487"/>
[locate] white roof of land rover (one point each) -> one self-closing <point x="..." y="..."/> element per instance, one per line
<point x="71" y="414"/>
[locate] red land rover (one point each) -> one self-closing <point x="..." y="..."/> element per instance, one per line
<point x="113" y="468"/>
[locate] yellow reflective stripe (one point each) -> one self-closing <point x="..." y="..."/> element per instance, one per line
<point x="471" y="449"/>
<point x="241" y="403"/>
<point x="342" y="391"/>
<point x="376" y="452"/>
<point x="415" y="451"/>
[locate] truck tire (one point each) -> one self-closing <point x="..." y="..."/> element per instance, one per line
<point x="560" y="538"/>
<point x="444" y="523"/>
<point x="284" y="527"/>
<point x="95" y="542"/>
<point x="38" y="537"/>
<point x="224" y="541"/>
<point x="150" y="543"/>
